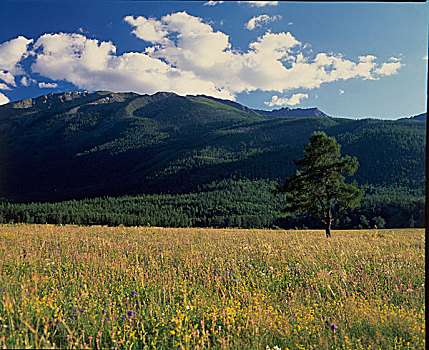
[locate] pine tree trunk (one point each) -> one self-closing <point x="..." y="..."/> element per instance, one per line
<point x="328" y="222"/>
<point x="328" y="229"/>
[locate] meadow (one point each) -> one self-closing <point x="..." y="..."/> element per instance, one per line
<point x="163" y="288"/>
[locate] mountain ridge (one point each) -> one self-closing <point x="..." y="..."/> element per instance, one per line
<point x="419" y="117"/>
<point x="70" y="96"/>
<point x="75" y="145"/>
<point x="102" y="96"/>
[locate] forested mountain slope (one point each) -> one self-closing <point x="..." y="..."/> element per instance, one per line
<point x="76" y="145"/>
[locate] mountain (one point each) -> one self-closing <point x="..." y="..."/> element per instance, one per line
<point x="288" y="112"/>
<point x="81" y="144"/>
<point x="231" y="104"/>
<point x="419" y="117"/>
<point x="282" y="112"/>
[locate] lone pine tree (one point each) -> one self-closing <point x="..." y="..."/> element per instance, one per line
<point x="318" y="187"/>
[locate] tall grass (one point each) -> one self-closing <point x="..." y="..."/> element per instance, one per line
<point x="147" y="288"/>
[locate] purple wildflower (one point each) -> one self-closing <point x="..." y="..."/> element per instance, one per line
<point x="334" y="327"/>
<point x="131" y="313"/>
<point x="134" y="293"/>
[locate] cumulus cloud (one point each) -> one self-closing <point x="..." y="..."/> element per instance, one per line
<point x="90" y="64"/>
<point x="3" y="99"/>
<point x="11" y="53"/>
<point x="340" y="91"/>
<point x="47" y="85"/>
<point x="7" y="78"/>
<point x="3" y="86"/>
<point x="25" y="81"/>
<point x="388" y="68"/>
<point x="193" y="46"/>
<point x="261" y="3"/>
<point x="425" y="57"/>
<point x="187" y="56"/>
<point x="148" y="29"/>
<point x="82" y="30"/>
<point x="213" y="3"/>
<point x="257" y="21"/>
<point x="294" y="100"/>
<point x="60" y="56"/>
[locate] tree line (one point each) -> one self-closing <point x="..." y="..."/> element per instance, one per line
<point x="241" y="203"/>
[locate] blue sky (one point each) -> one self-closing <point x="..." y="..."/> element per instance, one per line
<point x="349" y="59"/>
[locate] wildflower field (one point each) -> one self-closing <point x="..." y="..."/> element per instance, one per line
<point x="135" y="288"/>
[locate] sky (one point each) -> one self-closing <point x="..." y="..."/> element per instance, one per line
<point x="349" y="59"/>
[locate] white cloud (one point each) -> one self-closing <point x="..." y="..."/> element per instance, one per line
<point x="388" y="68"/>
<point x="425" y="57"/>
<point x="3" y="86"/>
<point x="340" y="91"/>
<point x="3" y="99"/>
<point x="82" y="30"/>
<point x="60" y="56"/>
<point x="148" y="29"/>
<point x="90" y="64"/>
<point x="12" y="52"/>
<point x="7" y="77"/>
<point x="261" y="3"/>
<point x="213" y="3"/>
<point x="27" y="81"/>
<point x="194" y="46"/>
<point x="294" y="100"/>
<point x="257" y="21"/>
<point x="367" y="58"/>
<point x="187" y="56"/>
<point x="47" y="85"/>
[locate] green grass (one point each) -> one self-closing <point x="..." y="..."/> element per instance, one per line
<point x="135" y="288"/>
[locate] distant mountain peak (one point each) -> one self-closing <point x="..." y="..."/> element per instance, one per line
<point x="289" y="112"/>
<point x="48" y="99"/>
<point x="422" y="116"/>
<point x="229" y="103"/>
<point x="164" y="94"/>
<point x="281" y="112"/>
<point x="104" y="97"/>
